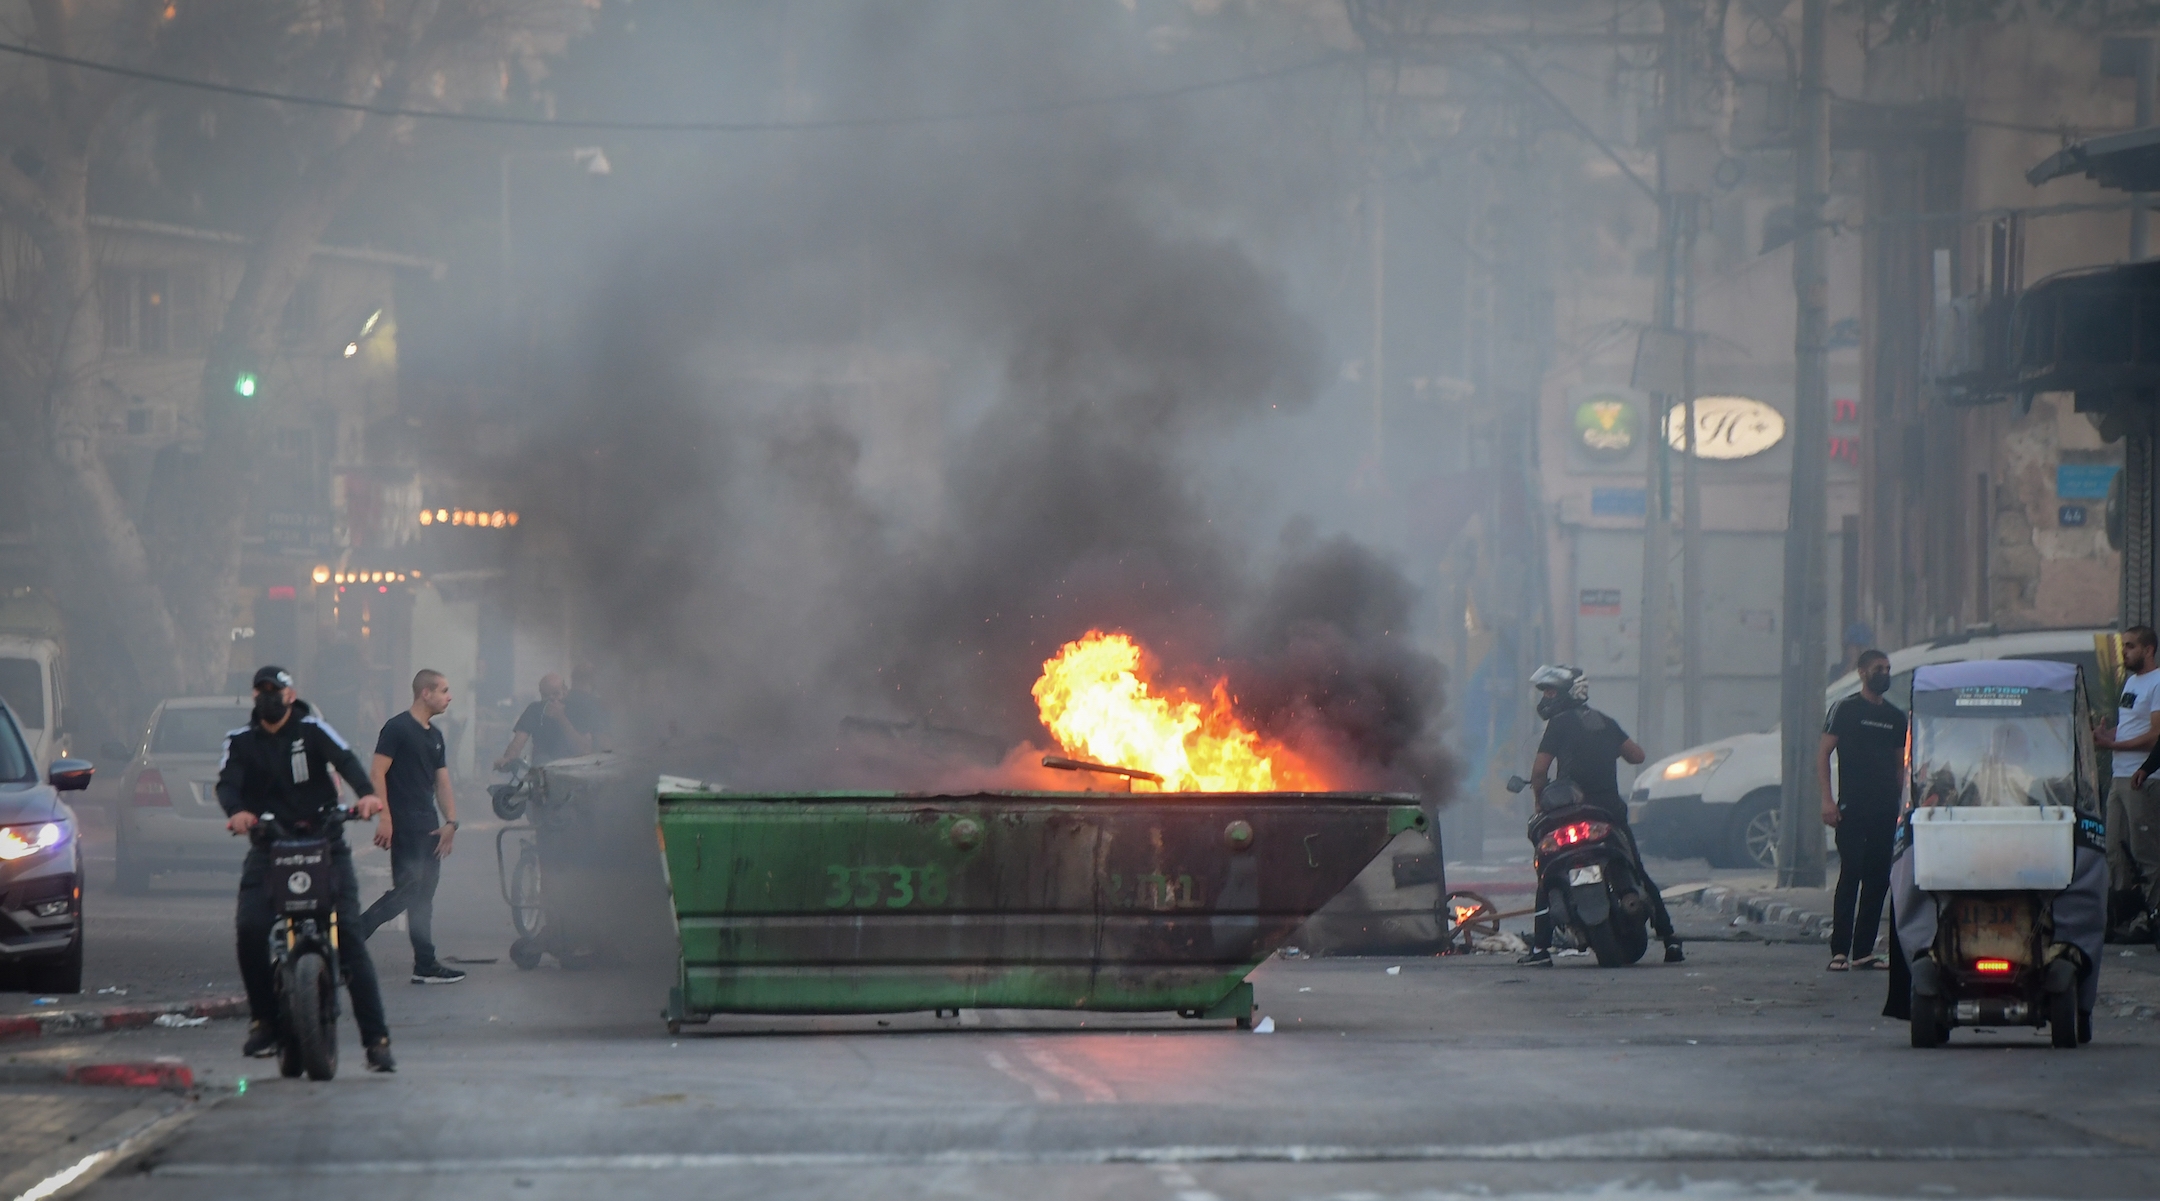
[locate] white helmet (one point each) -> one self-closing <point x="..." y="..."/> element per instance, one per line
<point x="1571" y="685"/>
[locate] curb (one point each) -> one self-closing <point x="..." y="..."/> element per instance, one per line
<point x="168" y="1074"/>
<point x="95" y="1021"/>
<point x="1764" y="910"/>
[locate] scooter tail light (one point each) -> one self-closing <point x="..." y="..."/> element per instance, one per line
<point x="1573" y="834"/>
<point x="1992" y="967"/>
<point x="150" y="790"/>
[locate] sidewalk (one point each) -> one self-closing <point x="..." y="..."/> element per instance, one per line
<point x="69" y="1016"/>
<point x="1802" y="913"/>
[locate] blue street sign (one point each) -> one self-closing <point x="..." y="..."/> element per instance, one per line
<point x="2084" y="481"/>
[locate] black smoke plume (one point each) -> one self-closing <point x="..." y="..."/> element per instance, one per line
<point x="1092" y="335"/>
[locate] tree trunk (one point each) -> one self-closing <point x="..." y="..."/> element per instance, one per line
<point x="204" y="562"/>
<point x="118" y="586"/>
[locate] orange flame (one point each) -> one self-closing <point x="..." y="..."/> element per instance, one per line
<point x="1094" y="700"/>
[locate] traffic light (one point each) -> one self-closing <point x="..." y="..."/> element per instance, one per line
<point x="244" y="385"/>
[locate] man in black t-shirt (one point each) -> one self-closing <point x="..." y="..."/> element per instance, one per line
<point x="546" y="726"/>
<point x="1868" y="734"/>
<point x="1585" y="743"/>
<point x="411" y="770"/>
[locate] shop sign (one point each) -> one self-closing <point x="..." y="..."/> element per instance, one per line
<point x="1726" y="427"/>
<point x="1618" y="502"/>
<point x="1605" y="426"/>
<point x="1598" y="602"/>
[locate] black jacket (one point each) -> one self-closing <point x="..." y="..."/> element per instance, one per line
<point x="287" y="775"/>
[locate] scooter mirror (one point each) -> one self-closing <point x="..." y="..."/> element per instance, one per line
<point x="1517" y="783"/>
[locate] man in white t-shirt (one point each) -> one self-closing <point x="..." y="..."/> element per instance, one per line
<point x="2133" y="811"/>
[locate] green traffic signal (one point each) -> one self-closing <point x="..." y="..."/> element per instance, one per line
<point x="244" y="385"/>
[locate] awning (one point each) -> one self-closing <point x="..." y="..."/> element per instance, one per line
<point x="2129" y="162"/>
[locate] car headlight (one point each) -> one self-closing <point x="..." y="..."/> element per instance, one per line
<point x="1699" y="764"/>
<point x="17" y="842"/>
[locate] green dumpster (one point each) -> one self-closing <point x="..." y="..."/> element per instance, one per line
<point x="824" y="903"/>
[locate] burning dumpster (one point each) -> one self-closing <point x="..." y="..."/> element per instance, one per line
<point x="891" y="902"/>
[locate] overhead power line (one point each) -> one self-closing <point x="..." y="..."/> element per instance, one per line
<point x="822" y="123"/>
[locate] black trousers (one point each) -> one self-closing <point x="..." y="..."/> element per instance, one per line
<point x="414" y="872"/>
<point x="252" y="921"/>
<point x="1660" y="920"/>
<point x="1864" y="842"/>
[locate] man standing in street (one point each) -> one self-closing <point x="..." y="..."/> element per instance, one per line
<point x="1868" y="734"/>
<point x="282" y="768"/>
<point x="411" y="770"/>
<point x="2133" y="805"/>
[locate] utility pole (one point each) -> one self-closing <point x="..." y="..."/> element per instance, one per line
<point x="1800" y="844"/>
<point x="1680" y="160"/>
<point x="1691" y="556"/>
<point x="2148" y="61"/>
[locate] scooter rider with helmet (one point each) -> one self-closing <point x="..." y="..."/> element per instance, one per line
<point x="1585" y="742"/>
<point x="283" y="765"/>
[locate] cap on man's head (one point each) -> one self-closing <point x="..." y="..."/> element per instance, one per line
<point x="272" y="677"/>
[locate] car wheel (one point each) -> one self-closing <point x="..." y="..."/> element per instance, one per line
<point x="1751" y="834"/>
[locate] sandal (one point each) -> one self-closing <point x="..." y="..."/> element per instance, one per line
<point x="1869" y="963"/>
<point x="1839" y="963"/>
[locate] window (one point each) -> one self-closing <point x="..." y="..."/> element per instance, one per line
<point x="116" y="302"/>
<point x="153" y="312"/>
<point x="191" y="319"/>
<point x="22" y="685"/>
<point x="195" y="731"/>
<point x="138" y="310"/>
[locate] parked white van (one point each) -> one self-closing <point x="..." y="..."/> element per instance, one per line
<point x="30" y="675"/>
<point x="1720" y="800"/>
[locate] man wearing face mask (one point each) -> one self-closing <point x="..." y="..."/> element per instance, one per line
<point x="280" y="766"/>
<point x="1868" y="734"/>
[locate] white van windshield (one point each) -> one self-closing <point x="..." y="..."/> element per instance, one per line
<point x="22" y="685"/>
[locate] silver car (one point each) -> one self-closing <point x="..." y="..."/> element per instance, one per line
<point x="168" y="818"/>
<point x="41" y="941"/>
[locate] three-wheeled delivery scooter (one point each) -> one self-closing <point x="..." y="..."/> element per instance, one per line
<point x="1999" y="884"/>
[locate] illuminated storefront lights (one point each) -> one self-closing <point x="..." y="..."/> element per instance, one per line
<point x="479" y="519"/>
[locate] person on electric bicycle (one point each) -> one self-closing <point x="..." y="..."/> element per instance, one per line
<point x="1585" y="743"/>
<point x="278" y="768"/>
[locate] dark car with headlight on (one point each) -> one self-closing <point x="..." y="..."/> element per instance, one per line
<point x="41" y="869"/>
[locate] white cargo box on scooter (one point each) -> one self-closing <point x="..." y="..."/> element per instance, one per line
<point x="2008" y="849"/>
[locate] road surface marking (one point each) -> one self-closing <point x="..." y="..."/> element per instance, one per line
<point x="1660" y="1145"/>
<point x="1091" y="1090"/>
<point x="1045" y="1092"/>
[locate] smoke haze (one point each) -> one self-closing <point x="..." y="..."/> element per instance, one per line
<point x="870" y="424"/>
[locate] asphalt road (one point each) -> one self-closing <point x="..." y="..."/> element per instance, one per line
<point x="1747" y="1071"/>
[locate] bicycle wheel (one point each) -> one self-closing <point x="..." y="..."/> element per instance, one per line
<point x="525" y="902"/>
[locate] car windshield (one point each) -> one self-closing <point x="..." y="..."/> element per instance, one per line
<point x="16" y="766"/>
<point x="1994" y="746"/>
<point x="195" y="731"/>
